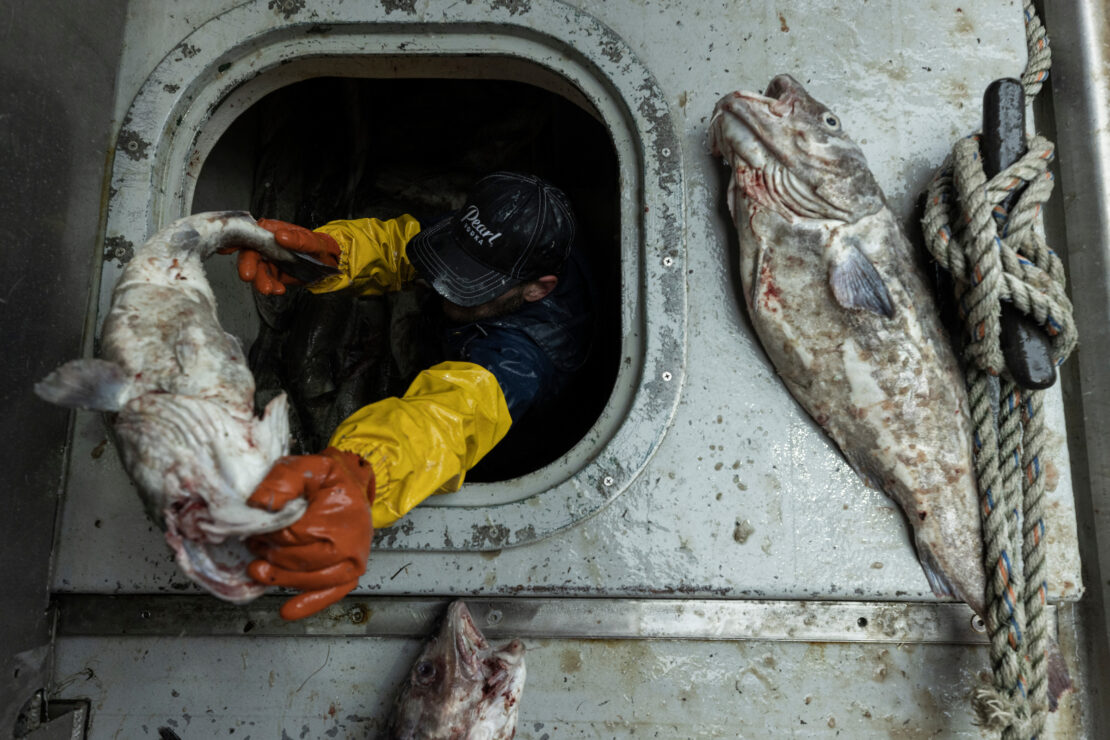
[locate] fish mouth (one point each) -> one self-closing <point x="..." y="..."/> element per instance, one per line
<point x="779" y="97"/>
<point x="782" y="89"/>
<point x="760" y="137"/>
<point x="467" y="639"/>
<point x="475" y="657"/>
<point x="226" y="580"/>
<point x="748" y="118"/>
<point x="208" y="549"/>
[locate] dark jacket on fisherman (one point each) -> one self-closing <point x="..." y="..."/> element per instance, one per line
<point x="495" y="371"/>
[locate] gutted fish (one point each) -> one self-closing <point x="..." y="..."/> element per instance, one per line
<point x="182" y="400"/>
<point x="843" y="311"/>
<point x="460" y="688"/>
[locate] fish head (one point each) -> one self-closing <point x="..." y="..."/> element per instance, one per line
<point x="460" y="686"/>
<point x="789" y="153"/>
<point x="195" y="463"/>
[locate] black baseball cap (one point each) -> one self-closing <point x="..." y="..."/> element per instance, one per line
<point x="513" y="228"/>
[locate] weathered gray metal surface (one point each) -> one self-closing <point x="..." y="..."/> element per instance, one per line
<point x="1080" y="110"/>
<point x="231" y="61"/>
<point x="55" y="131"/>
<point x="319" y="687"/>
<point x="742" y="498"/>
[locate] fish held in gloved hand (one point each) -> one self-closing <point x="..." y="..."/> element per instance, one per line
<point x="182" y="399"/>
<point x="842" y="308"/>
<point x="461" y="688"/>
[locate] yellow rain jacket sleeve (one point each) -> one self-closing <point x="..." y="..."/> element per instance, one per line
<point x="449" y="418"/>
<point x="425" y="442"/>
<point x="372" y="260"/>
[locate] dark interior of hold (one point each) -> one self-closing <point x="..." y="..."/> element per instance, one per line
<point x="332" y="148"/>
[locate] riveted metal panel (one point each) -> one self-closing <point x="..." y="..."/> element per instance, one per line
<point x="228" y="63"/>
<point x="734" y="496"/>
<point x="670" y="619"/>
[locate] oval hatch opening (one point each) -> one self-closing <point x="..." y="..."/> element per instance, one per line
<point x="329" y="148"/>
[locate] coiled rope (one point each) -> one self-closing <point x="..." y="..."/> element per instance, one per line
<point x="996" y="254"/>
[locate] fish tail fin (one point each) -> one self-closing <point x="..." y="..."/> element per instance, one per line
<point x="206" y="233"/>
<point x="91" y="383"/>
<point x="938" y="581"/>
<point x="1059" y="680"/>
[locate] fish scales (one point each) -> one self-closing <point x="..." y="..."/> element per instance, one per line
<point x="181" y="399"/>
<point x="842" y="309"/>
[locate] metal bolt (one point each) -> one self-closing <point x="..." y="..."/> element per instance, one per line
<point x="665" y="151"/>
<point x="667" y="262"/>
<point x="667" y="377"/>
<point x="608" y="480"/>
<point x="133" y="146"/>
<point x="494" y="616"/>
<point x="357" y="615"/>
<point x="978" y="624"/>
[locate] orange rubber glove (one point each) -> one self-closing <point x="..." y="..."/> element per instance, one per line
<point x="268" y="279"/>
<point x="324" y="552"/>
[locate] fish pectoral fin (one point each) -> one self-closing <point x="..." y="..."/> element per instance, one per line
<point x="1059" y="681"/>
<point x="92" y="383"/>
<point x="856" y="284"/>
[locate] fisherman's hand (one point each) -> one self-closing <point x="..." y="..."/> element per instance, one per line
<point x="267" y="278"/>
<point x="324" y="552"/>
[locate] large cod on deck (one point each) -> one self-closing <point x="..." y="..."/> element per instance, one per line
<point x="843" y="311"/>
<point x="841" y="306"/>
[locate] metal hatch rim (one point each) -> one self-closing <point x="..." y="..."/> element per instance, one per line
<point x="164" y="107"/>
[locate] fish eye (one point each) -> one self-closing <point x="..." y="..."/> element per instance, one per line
<point x="831" y="121"/>
<point x="425" y="671"/>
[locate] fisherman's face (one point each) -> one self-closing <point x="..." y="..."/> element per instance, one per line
<point x="502" y="305"/>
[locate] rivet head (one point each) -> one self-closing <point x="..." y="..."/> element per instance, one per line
<point x="494" y="616"/>
<point x="667" y="262"/>
<point x="667" y="377"/>
<point x="665" y="151"/>
<point x="978" y="624"/>
<point x="608" y="480"/>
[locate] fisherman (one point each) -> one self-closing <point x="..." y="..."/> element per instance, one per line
<point x="518" y="327"/>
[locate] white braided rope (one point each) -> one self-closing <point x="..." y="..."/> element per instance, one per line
<point x="997" y="255"/>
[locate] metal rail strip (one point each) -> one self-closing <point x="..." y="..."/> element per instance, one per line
<point x="557" y="618"/>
